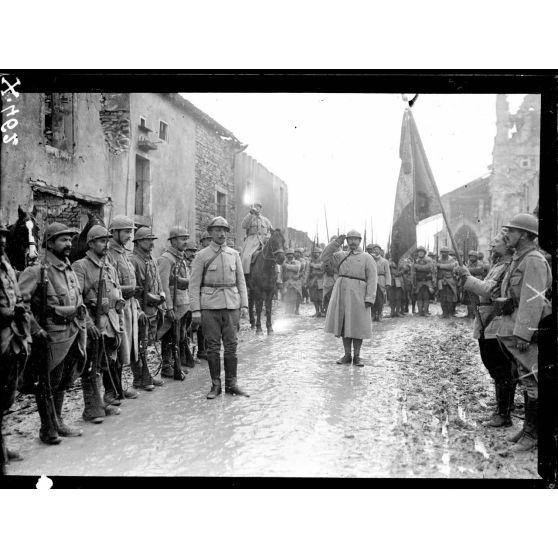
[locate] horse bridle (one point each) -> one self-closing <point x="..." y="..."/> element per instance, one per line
<point x="274" y="253"/>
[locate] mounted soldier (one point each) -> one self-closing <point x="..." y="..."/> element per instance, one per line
<point x="100" y="287"/>
<point x="15" y="341"/>
<point x="218" y="300"/>
<point x="423" y="287"/>
<point x="53" y="291"/>
<point x="122" y="228"/>
<point x="151" y="297"/>
<point x="175" y="277"/>
<point x="447" y="286"/>
<point x="258" y="228"/>
<point x="315" y="281"/>
<point x="348" y="314"/>
<point x="384" y="280"/>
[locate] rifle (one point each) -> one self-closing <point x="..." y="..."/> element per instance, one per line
<point x="178" y="374"/>
<point x="144" y="341"/>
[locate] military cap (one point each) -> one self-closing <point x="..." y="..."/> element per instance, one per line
<point x="370" y="247"/>
<point x="524" y="222"/>
<point x="218" y="222"/>
<point x="120" y="222"/>
<point x="444" y="249"/>
<point x="57" y="229"/>
<point x="178" y="231"/>
<point x="144" y="234"/>
<point x="316" y="250"/>
<point x="480" y="255"/>
<point x="473" y="253"/>
<point x="289" y="251"/>
<point x="205" y="235"/>
<point x="298" y="250"/>
<point x="420" y="249"/>
<point x="191" y="245"/>
<point x="96" y="232"/>
<point x="431" y="255"/>
<point x="353" y="234"/>
<point x="376" y="246"/>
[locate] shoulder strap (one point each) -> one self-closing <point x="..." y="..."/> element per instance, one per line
<point x="339" y="266"/>
<point x="206" y="266"/>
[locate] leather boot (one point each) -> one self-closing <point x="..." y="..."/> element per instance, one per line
<point x="357" y="344"/>
<point x="346" y="358"/>
<point x="137" y="372"/>
<point x="63" y="429"/>
<point x="166" y="356"/>
<point x="231" y="386"/>
<point x="529" y="439"/>
<point x="128" y="392"/>
<point x="502" y="416"/>
<point x="93" y="406"/>
<point x="215" y="373"/>
<point x="147" y="382"/>
<point x="202" y="353"/>
<point x="519" y="434"/>
<point x="49" y="423"/>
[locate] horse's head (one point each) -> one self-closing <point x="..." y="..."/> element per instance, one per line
<point x="22" y="240"/>
<point x="276" y="245"/>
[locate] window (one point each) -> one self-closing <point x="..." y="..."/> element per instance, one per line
<point x="142" y="185"/>
<point x="221" y="204"/>
<point x="163" y="131"/>
<point x="58" y="124"/>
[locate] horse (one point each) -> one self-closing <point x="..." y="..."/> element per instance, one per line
<point x="262" y="279"/>
<point x="21" y="244"/>
<point x="79" y="242"/>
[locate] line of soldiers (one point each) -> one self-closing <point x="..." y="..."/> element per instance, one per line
<point x="90" y="319"/>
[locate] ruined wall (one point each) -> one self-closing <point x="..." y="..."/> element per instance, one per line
<point x="253" y="182"/>
<point x="214" y="173"/>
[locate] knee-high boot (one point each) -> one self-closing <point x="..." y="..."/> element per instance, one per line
<point x="503" y="398"/>
<point x="94" y="410"/>
<point x="49" y="423"/>
<point x="231" y="386"/>
<point x="64" y="429"/>
<point x="215" y="373"/>
<point x="529" y="439"/>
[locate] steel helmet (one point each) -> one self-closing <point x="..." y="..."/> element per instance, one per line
<point x="56" y="229"/>
<point x="178" y="231"/>
<point x="444" y="249"/>
<point x="431" y="255"/>
<point x="370" y="247"/>
<point x="218" y="222"/>
<point x="96" y="232"/>
<point x="205" y="235"/>
<point x="289" y="251"/>
<point x="420" y="249"/>
<point x="317" y="250"/>
<point x="300" y="250"/>
<point x="473" y="253"/>
<point x="524" y="222"/>
<point x="144" y="234"/>
<point x="191" y="245"/>
<point x="120" y="222"/>
<point x="353" y="234"/>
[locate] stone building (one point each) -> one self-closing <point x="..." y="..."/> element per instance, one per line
<point x="153" y="156"/>
<point x="477" y="211"/>
<point x="253" y="182"/>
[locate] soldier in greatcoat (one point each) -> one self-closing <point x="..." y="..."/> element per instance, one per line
<point x="292" y="282"/>
<point x="423" y="286"/>
<point x="396" y="293"/>
<point x="122" y="228"/>
<point x="218" y="299"/>
<point x="315" y="281"/>
<point x="447" y="286"/>
<point x="173" y="268"/>
<point x="258" y="228"/>
<point x="102" y="357"/>
<point x="485" y="329"/>
<point x="299" y="257"/>
<point x="354" y="293"/>
<point x="384" y="280"/>
<point x="522" y="305"/>
<point x="66" y="323"/>
<point x="15" y="340"/>
<point x="151" y="298"/>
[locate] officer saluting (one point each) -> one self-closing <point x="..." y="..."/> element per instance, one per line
<point x="217" y="296"/>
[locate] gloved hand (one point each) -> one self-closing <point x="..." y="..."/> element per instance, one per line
<point x="196" y="320"/>
<point x="521" y="344"/>
<point x="341" y="239"/>
<point x="93" y="332"/>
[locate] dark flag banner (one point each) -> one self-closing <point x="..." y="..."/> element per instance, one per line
<point x="417" y="195"/>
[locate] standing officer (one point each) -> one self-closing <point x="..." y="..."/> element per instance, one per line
<point x="64" y="318"/>
<point x="218" y="299"/>
<point x="172" y="264"/>
<point x="315" y="281"/>
<point x="354" y="292"/>
<point x="122" y="228"/>
<point x="447" y="287"/>
<point x="151" y="296"/>
<point x="384" y="280"/>
<point x="108" y="322"/>
<point x="493" y="357"/>
<point x="15" y="340"/>
<point x="522" y="306"/>
<point x="423" y="281"/>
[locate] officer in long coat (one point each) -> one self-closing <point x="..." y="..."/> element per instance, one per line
<point x="384" y="280"/>
<point x="122" y="228"/>
<point x="522" y="306"/>
<point x="102" y="356"/>
<point x="15" y="340"/>
<point x="218" y="300"/>
<point x="151" y="297"/>
<point x="354" y="293"/>
<point x="173" y="269"/>
<point x="447" y="286"/>
<point x="66" y="323"/>
<point x="423" y="286"/>
<point x="493" y="357"/>
<point x="258" y="228"/>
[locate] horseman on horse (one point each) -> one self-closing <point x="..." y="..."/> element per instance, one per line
<point x="258" y="228"/>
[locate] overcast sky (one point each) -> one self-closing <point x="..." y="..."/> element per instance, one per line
<point x="341" y="150"/>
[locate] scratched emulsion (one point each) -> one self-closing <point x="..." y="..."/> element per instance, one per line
<point x="414" y="410"/>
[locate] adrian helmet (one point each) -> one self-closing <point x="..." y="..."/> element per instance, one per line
<point x="353" y="234"/>
<point x="218" y="222"/>
<point x="524" y="222"/>
<point x="57" y="229"/>
<point x="178" y="231"/>
<point x="144" y="234"/>
<point x="96" y="232"/>
<point x="120" y="222"/>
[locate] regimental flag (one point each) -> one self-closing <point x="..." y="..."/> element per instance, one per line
<point x="417" y="196"/>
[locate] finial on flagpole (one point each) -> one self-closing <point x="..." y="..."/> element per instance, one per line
<point x="405" y="99"/>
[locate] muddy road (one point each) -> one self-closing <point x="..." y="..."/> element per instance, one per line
<point x="414" y="410"/>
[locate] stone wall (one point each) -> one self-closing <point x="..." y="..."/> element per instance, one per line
<point x="214" y="170"/>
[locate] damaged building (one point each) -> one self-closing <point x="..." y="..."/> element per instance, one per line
<point x="152" y="156"/>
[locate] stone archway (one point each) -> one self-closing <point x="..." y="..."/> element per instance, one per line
<point x="466" y="239"/>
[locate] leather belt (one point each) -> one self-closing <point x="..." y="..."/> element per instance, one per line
<point x="353" y="277"/>
<point x="219" y="285"/>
